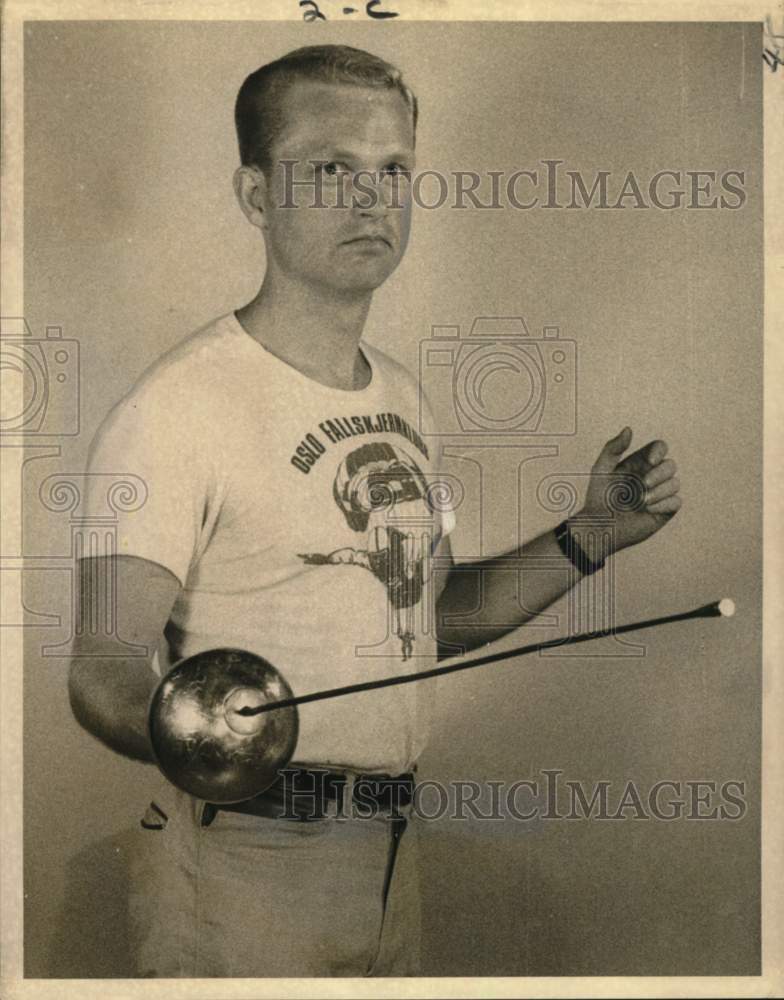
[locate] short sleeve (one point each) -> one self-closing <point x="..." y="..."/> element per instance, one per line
<point x="148" y="440"/>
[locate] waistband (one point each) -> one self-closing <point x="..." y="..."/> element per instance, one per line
<point x="312" y="794"/>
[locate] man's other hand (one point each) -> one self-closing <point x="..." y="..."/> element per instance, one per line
<point x="639" y="492"/>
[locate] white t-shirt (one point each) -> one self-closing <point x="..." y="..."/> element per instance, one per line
<point x="299" y="520"/>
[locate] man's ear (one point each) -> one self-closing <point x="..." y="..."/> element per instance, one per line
<point x="251" y="189"/>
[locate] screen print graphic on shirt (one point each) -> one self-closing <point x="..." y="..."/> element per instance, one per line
<point x="383" y="495"/>
<point x="337" y="429"/>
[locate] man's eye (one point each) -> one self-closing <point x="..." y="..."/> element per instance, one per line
<point x="334" y="169"/>
<point x="395" y="169"/>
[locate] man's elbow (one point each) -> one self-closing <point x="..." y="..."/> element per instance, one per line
<point x="93" y="701"/>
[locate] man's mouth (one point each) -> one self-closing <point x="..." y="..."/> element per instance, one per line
<point x="370" y="239"/>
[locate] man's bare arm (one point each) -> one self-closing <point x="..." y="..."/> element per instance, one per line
<point x="499" y="594"/>
<point x="109" y="690"/>
<point x="492" y="598"/>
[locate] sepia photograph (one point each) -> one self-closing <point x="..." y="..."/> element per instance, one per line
<point x="383" y="430"/>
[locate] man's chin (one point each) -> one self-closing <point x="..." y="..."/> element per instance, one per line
<point x="360" y="282"/>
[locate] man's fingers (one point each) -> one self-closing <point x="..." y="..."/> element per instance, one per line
<point x="612" y="451"/>
<point x="661" y="492"/>
<point x="642" y="461"/>
<point x="670" y="505"/>
<point x="618" y="445"/>
<point x="660" y="473"/>
<point x="656" y="451"/>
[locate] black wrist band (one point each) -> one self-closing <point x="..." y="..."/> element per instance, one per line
<point x="576" y="556"/>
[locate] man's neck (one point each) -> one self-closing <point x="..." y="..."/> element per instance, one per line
<point x="314" y="331"/>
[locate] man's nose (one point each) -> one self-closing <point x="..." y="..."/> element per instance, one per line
<point x="369" y="197"/>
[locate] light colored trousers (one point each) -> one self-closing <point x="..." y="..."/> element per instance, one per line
<point x="248" y="896"/>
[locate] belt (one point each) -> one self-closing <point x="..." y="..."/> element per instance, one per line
<point x="303" y="794"/>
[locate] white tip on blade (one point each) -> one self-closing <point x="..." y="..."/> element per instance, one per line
<point x="726" y="607"/>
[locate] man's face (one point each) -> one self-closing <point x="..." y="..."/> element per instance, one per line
<point x="349" y="225"/>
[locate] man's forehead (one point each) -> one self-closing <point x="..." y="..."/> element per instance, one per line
<point x="344" y="116"/>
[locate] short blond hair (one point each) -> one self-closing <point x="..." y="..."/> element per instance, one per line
<point x="258" y="112"/>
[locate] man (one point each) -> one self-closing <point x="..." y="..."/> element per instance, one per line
<point x="290" y="512"/>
